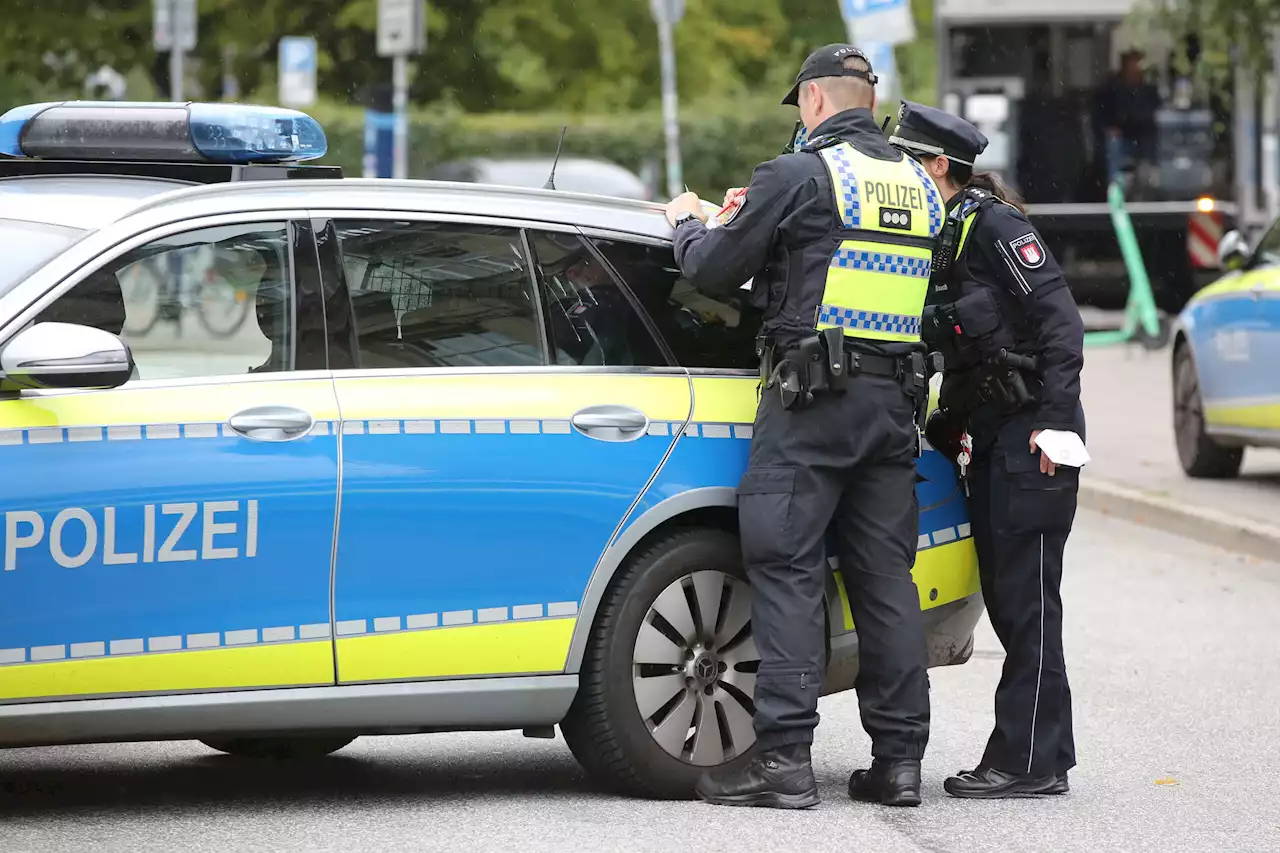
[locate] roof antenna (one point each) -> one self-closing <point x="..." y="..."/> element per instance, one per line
<point x="551" y="181"/>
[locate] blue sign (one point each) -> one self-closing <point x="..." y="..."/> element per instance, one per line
<point x="889" y="21"/>
<point x="298" y="60"/>
<point x="858" y="8"/>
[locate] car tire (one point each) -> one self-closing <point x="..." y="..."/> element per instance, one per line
<point x="280" y="748"/>
<point x="1200" y="455"/>
<point x="650" y="640"/>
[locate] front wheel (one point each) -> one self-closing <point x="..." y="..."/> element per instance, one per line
<point x="280" y="748"/>
<point x="1199" y="454"/>
<point x="669" y="673"/>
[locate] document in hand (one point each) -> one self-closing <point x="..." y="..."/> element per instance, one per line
<point x="1063" y="448"/>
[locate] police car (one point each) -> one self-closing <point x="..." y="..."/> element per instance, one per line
<point x="291" y="459"/>
<point x="1226" y="388"/>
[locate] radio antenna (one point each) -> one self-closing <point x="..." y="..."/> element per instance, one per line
<point x="551" y="180"/>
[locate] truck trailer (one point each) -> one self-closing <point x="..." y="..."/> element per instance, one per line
<point x="1043" y="82"/>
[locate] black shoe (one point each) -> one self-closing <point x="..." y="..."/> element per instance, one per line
<point x="988" y="783"/>
<point x="1060" y="784"/>
<point x="893" y="783"/>
<point x="775" y="779"/>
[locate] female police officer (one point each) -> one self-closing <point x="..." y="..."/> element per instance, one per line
<point x="1012" y="338"/>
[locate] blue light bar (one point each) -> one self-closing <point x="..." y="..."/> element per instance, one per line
<point x="161" y="131"/>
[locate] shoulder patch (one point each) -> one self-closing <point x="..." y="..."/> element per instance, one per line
<point x="1028" y="250"/>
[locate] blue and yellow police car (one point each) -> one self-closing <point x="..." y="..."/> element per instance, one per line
<point x="292" y="458"/>
<point x="1226" y="347"/>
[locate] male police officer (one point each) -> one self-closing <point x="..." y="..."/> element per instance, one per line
<point x="1013" y="340"/>
<point x="839" y="238"/>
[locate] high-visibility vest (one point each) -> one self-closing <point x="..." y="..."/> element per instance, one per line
<point x="878" y="278"/>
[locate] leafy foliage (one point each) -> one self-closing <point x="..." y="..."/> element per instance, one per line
<point x="574" y="55"/>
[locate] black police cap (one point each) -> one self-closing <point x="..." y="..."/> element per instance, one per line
<point x="930" y="131"/>
<point x="829" y="62"/>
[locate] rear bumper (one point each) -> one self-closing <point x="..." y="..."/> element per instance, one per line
<point x="948" y="634"/>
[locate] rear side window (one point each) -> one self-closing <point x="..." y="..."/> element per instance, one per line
<point x="703" y="330"/>
<point x="426" y="294"/>
<point x="590" y="320"/>
<point x="27" y="246"/>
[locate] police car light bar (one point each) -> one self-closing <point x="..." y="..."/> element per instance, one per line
<point x="161" y="131"/>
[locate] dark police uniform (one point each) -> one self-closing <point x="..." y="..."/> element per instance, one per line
<point x="838" y="237"/>
<point x="1013" y="341"/>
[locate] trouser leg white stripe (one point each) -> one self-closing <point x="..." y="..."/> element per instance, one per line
<point x="1035" y="708"/>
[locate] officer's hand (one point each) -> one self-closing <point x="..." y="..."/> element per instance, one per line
<point x="686" y="203"/>
<point x="1046" y="465"/>
<point x="732" y="195"/>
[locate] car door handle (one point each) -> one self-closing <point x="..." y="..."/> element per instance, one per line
<point x="1257" y="290"/>
<point x="272" y="423"/>
<point x="611" y="423"/>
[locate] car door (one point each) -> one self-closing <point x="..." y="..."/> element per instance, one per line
<point x="1233" y="333"/>
<point x="176" y="533"/>
<point x="496" y="431"/>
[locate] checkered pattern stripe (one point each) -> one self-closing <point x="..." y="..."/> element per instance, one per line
<point x="931" y="196"/>
<point x="868" y="321"/>
<point x="847" y="192"/>
<point x="854" y="259"/>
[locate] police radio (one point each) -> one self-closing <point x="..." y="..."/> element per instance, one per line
<point x="799" y="137"/>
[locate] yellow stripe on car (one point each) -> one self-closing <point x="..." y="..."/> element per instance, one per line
<point x="507" y="648"/>
<point x="286" y="664"/>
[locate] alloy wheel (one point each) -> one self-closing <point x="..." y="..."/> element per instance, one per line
<point x="694" y="669"/>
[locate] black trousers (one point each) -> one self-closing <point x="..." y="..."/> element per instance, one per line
<point x="848" y="457"/>
<point x="1021" y="520"/>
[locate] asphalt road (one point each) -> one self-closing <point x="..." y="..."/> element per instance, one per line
<point x="1172" y="651"/>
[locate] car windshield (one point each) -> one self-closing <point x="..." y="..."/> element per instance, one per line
<point x="27" y="246"/>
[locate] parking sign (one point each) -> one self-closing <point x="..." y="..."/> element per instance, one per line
<point x="883" y="20"/>
<point x="298" y="71"/>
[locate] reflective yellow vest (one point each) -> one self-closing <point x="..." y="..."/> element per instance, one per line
<point x="879" y="276"/>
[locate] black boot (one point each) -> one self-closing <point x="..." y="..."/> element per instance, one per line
<point x="988" y="783"/>
<point x="779" y="778"/>
<point x="891" y="782"/>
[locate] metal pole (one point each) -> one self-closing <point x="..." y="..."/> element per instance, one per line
<point x="670" y="108"/>
<point x="1245" y="131"/>
<point x="400" y="105"/>
<point x="175" y="72"/>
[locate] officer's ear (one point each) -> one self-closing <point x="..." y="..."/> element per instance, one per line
<point x="938" y="167"/>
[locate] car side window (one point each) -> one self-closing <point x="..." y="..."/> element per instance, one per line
<point x="428" y="294"/>
<point x="1268" y="252"/>
<point x="591" y="320"/>
<point x="704" y="330"/>
<point x="210" y="302"/>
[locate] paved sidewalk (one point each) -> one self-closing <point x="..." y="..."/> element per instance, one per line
<point x="1128" y="401"/>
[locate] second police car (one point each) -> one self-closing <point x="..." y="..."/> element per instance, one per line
<point x="291" y="459"/>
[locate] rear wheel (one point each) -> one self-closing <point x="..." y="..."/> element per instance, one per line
<point x="669" y="673"/>
<point x="1199" y="454"/>
<point x="280" y="748"/>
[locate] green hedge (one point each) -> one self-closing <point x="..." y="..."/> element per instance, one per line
<point x="720" y="145"/>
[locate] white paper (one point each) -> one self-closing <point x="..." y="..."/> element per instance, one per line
<point x="1063" y="448"/>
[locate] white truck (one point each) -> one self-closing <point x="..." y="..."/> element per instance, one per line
<point x="1033" y="76"/>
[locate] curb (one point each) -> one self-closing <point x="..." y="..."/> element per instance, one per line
<point x="1199" y="523"/>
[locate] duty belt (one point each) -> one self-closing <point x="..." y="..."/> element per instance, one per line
<point x="824" y="364"/>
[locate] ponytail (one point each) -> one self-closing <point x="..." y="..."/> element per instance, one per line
<point x="964" y="176"/>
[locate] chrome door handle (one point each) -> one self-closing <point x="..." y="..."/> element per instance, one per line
<point x="272" y="423"/>
<point x="1257" y="289"/>
<point x="611" y="423"/>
